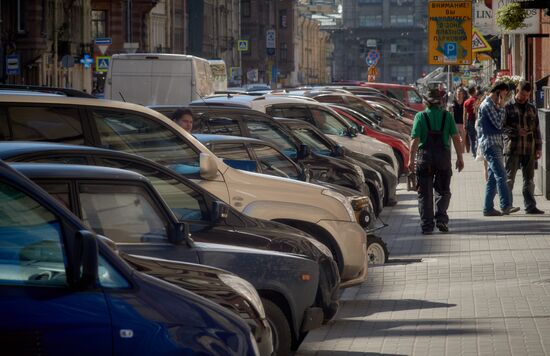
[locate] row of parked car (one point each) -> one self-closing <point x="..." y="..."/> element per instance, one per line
<point x="136" y="236"/>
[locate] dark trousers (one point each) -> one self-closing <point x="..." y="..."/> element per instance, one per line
<point x="527" y="164"/>
<point x="434" y="178"/>
<point x="472" y="136"/>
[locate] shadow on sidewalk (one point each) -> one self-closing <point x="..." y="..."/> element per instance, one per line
<point x="509" y="225"/>
<point x="343" y="353"/>
<point x="405" y="327"/>
<point x="359" y="308"/>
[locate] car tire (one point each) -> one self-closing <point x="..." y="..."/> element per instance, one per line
<point x="280" y="328"/>
<point x="377" y="250"/>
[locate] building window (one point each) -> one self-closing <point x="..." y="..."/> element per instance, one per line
<point x="401" y="74"/>
<point x="245" y="8"/>
<point x="99" y="23"/>
<point x="402" y="20"/>
<point x="370" y="20"/>
<point x="283" y="52"/>
<point x="402" y="46"/>
<point x="282" y="19"/>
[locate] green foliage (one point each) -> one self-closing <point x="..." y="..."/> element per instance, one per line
<point x="511" y="16"/>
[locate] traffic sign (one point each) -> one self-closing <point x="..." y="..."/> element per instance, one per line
<point x="479" y="43"/>
<point x="242" y="45"/>
<point x="13" y="65"/>
<point x="372" y="57"/>
<point x="450" y="32"/>
<point x="87" y="61"/>
<point x="102" y="63"/>
<point x="456" y="80"/>
<point x="103" y="43"/>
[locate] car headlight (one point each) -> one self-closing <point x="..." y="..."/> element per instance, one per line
<point x="359" y="172"/>
<point x="246" y="290"/>
<point x="343" y="200"/>
<point x="320" y="246"/>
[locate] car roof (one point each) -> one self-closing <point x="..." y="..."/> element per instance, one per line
<point x="388" y="85"/>
<point x="250" y="101"/>
<point x="10" y="149"/>
<point x="206" y="138"/>
<point x="75" y="171"/>
<point x="26" y="92"/>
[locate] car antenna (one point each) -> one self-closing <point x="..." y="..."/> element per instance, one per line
<point x="122" y="96"/>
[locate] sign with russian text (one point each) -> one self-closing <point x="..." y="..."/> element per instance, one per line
<point x="450" y="32"/>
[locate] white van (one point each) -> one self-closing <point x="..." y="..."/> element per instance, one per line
<point x="158" y="78"/>
<point x="219" y="74"/>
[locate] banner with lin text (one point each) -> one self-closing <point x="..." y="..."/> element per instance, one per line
<point x="450" y="32"/>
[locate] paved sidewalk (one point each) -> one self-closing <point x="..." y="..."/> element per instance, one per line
<point x="483" y="289"/>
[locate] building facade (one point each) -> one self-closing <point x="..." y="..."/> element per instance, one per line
<point x="396" y="28"/>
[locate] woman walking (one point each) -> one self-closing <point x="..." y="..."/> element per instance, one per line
<point x="458" y="113"/>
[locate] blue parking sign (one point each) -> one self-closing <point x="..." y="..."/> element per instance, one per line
<point x="13" y="66"/>
<point x="450" y="51"/>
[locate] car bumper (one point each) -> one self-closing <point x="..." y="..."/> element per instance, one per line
<point x="329" y="285"/>
<point x="352" y="241"/>
<point x="313" y="319"/>
<point x="390" y="191"/>
<point x="262" y="335"/>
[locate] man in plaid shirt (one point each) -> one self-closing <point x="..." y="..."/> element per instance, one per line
<point x="491" y="121"/>
<point x="522" y="144"/>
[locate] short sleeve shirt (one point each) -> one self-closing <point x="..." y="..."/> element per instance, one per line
<point x="420" y="129"/>
<point x="469" y="105"/>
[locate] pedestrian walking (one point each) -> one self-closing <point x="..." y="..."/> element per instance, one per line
<point x="458" y="113"/>
<point x="491" y="142"/>
<point x="522" y="145"/>
<point x="469" y="119"/>
<point x="430" y="158"/>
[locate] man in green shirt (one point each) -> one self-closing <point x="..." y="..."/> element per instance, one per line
<point x="430" y="158"/>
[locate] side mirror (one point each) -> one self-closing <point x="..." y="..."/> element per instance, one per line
<point x="242" y="164"/>
<point x="181" y="233"/>
<point x="352" y="131"/>
<point x="220" y="212"/>
<point x="339" y="151"/>
<point x="304" y="152"/>
<point x="83" y="265"/>
<point x="305" y="173"/>
<point x="208" y="166"/>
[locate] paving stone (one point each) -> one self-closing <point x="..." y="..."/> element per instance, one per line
<point x="482" y="289"/>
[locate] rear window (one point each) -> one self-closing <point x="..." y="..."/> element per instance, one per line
<point x="42" y="123"/>
<point x="395" y="93"/>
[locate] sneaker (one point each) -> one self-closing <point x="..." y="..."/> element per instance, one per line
<point x="534" y="211"/>
<point x="509" y="210"/>
<point x="492" y="212"/>
<point x="442" y="227"/>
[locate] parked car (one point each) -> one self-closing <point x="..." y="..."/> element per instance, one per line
<point x="221" y="287"/>
<point x="267" y="159"/>
<point x="250" y="123"/>
<point x="311" y="111"/>
<point x="320" y="212"/>
<point x="185" y="199"/>
<point x="322" y="145"/>
<point x="126" y="208"/>
<point x="407" y="94"/>
<point x="399" y="146"/>
<point x="62" y="290"/>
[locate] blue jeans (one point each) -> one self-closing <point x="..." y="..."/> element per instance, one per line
<point x="472" y="136"/>
<point x="496" y="180"/>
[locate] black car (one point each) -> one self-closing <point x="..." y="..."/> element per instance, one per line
<point x="216" y="222"/>
<point x="236" y="121"/>
<point x="318" y="142"/>
<point x="267" y="159"/>
<point x="62" y="290"/>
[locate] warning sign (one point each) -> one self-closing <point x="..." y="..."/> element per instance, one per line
<point x="102" y="63"/>
<point x="479" y="43"/>
<point x="450" y="32"/>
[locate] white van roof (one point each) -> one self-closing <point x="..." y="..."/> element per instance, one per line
<point x="156" y="56"/>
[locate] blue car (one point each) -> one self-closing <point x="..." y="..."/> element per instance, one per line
<point x="63" y="291"/>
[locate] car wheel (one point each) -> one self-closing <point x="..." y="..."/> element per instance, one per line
<point x="377" y="250"/>
<point x="280" y="328"/>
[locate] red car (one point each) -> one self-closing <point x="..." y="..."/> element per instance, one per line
<point x="404" y="93"/>
<point x="399" y="147"/>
